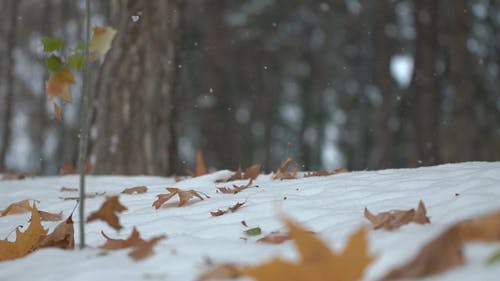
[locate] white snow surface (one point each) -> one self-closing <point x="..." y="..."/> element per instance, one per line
<point x="331" y="206"/>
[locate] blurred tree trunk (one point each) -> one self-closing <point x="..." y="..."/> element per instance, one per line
<point x="426" y="101"/>
<point x="135" y="107"/>
<point x="383" y="52"/>
<point x="9" y="83"/>
<point x="462" y="79"/>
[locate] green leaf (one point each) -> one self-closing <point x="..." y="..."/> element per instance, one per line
<point x="495" y="258"/>
<point x="75" y="61"/>
<point x="53" y="63"/>
<point x="253" y="231"/>
<point x="51" y="44"/>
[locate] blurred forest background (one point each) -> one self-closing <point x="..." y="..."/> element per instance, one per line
<point x="357" y="83"/>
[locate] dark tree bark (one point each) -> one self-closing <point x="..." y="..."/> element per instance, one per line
<point x="426" y="101"/>
<point x="385" y="83"/>
<point x="462" y="80"/>
<point x="9" y="83"/>
<point x="135" y="108"/>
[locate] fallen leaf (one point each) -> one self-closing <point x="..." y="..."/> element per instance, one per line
<point x="322" y="173"/>
<point x="17" y="208"/>
<point x="445" y="251"/>
<point x="46" y="216"/>
<point x="236" y="188"/>
<point x="250" y="173"/>
<point x="62" y="237"/>
<point x="184" y="196"/>
<point x="108" y="211"/>
<point x="57" y="112"/>
<point x="68" y="189"/>
<point x="396" y="218"/>
<point x="101" y="40"/>
<point x="317" y="262"/>
<point x="112" y="244"/>
<point x="275" y="238"/>
<point x="231" y="209"/>
<point x="26" y="241"/>
<point x="145" y="249"/>
<point x="440" y="254"/>
<point x="14" y="176"/>
<point x="253" y="231"/>
<point x="282" y="172"/>
<point x="340" y="170"/>
<point x="137" y="189"/>
<point x="223" y="271"/>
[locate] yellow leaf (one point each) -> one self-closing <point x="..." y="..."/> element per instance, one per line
<point x="317" y="262"/>
<point x="101" y="40"/>
<point x="26" y="241"/>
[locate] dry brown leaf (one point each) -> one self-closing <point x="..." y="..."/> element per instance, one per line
<point x="62" y="237"/>
<point x="69" y="169"/>
<point x="184" y="196"/>
<point x="17" y="208"/>
<point x="26" y="242"/>
<point x="340" y="170"/>
<point x="445" y="251"/>
<point x="250" y="173"/>
<point x="136" y="189"/>
<point x="201" y="169"/>
<point x="108" y="211"/>
<point x="68" y="189"/>
<point x="14" y="176"/>
<point x="112" y="244"/>
<point x="231" y="209"/>
<point x="46" y="216"/>
<point x="223" y="271"/>
<point x="145" y="249"/>
<point x="396" y="218"/>
<point x="282" y="172"/>
<point x="87" y="195"/>
<point x="235" y="189"/>
<point x="322" y="173"/>
<point x="275" y="238"/>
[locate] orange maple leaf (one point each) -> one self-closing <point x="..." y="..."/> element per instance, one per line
<point x="184" y="196"/>
<point x="317" y="262"/>
<point x="108" y="211"/>
<point x="26" y="242"/>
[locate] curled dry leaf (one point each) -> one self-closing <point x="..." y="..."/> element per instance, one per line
<point x="25" y="242"/>
<point x="231" y="209"/>
<point x="235" y="189"/>
<point x="184" y="196"/>
<point x="250" y="173"/>
<point x="17" y="208"/>
<point x="112" y="244"/>
<point x="62" y="237"/>
<point x="282" y="172"/>
<point x="136" y="189"/>
<point x="445" y="251"/>
<point x="108" y="211"/>
<point x="396" y="218"/>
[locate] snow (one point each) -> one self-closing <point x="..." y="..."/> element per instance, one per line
<point x="331" y="206"/>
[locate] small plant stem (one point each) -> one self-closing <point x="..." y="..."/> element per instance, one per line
<point x="84" y="132"/>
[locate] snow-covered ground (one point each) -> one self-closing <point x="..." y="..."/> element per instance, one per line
<point x="331" y="206"/>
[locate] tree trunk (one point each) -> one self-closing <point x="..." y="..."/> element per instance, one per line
<point x="135" y="108"/>
<point x="467" y="141"/>
<point x="426" y="101"/>
<point x="9" y="84"/>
